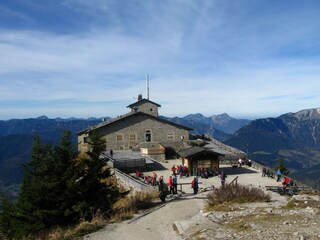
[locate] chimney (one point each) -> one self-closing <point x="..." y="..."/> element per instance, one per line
<point x="139" y="97"/>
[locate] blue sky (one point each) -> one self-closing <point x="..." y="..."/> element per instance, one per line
<point x="83" y="58"/>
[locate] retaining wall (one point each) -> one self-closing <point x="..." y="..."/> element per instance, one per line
<point x="131" y="182"/>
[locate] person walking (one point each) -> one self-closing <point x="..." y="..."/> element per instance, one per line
<point x="195" y="185"/>
<point x="264" y="172"/>
<point x="278" y="175"/>
<point x="162" y="190"/>
<point x="173" y="169"/>
<point x="175" y="184"/>
<point x="222" y="177"/>
<point x="170" y="184"/>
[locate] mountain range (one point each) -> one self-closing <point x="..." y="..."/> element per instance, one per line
<point x="16" y="136"/>
<point x="291" y="137"/>
<point x="220" y="126"/>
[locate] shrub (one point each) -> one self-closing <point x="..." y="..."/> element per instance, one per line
<point x="237" y="194"/>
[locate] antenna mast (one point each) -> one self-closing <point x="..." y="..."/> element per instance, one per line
<point x="147" y="79"/>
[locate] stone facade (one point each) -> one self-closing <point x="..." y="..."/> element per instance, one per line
<point x="145" y="106"/>
<point x="128" y="131"/>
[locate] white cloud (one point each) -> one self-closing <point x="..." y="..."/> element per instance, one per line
<point x="208" y="57"/>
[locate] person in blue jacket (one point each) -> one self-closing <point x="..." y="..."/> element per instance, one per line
<point x="278" y="175"/>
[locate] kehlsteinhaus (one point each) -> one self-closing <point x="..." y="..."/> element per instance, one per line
<point x="141" y="128"/>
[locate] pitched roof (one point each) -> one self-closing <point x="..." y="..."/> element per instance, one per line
<point x="141" y="102"/>
<point x="193" y="151"/>
<point x="128" y="115"/>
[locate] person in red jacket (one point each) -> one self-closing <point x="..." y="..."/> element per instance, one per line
<point x="170" y="184"/>
<point x="195" y="185"/>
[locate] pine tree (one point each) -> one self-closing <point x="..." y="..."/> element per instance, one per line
<point x="29" y="215"/>
<point x="95" y="191"/>
<point x="282" y="168"/>
<point x="41" y="203"/>
<point x="7" y="210"/>
<point x="58" y="189"/>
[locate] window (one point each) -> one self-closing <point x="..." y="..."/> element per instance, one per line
<point x="151" y="109"/>
<point x="132" y="137"/>
<point x="86" y="140"/>
<point x="170" y="136"/>
<point x="148" y="136"/>
<point x="119" y="137"/>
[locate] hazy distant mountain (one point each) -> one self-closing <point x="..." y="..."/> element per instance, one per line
<point x="292" y="137"/>
<point x="217" y="126"/>
<point x="227" y="124"/>
<point x="199" y="127"/>
<point x="49" y="128"/>
<point x="16" y="138"/>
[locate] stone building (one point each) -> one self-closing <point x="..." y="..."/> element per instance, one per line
<point x="141" y="126"/>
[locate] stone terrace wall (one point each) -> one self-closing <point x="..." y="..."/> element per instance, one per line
<point x="131" y="182"/>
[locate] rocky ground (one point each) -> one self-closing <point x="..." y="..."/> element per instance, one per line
<point x="300" y="219"/>
<point x="187" y="216"/>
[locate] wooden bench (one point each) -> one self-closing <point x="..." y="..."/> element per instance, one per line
<point x="290" y="190"/>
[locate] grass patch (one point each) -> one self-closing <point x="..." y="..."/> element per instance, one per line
<point x="237" y="194"/>
<point x="240" y="225"/>
<point x="302" y="204"/>
<point x="219" y="208"/>
<point x="290" y="205"/>
<point x="70" y="233"/>
<point x="266" y="220"/>
<point x="126" y="207"/>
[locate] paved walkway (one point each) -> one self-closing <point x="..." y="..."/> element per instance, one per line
<point x="246" y="176"/>
<point x="181" y="214"/>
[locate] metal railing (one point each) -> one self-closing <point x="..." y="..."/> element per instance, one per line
<point x="227" y="147"/>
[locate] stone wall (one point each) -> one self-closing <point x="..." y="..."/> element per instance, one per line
<point x="130" y="182"/>
<point x="137" y="125"/>
<point x="148" y="108"/>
